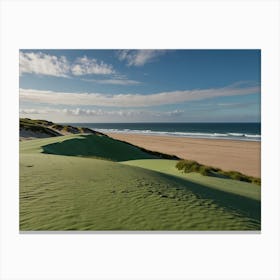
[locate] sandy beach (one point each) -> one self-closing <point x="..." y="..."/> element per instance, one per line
<point x="242" y="156"/>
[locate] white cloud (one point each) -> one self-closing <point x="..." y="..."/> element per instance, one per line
<point x="121" y="82"/>
<point x="33" y="111"/>
<point x="238" y="105"/>
<point x="85" y="66"/>
<point x="100" y="112"/>
<point x="86" y="112"/>
<point x="101" y="115"/>
<point x="43" y="64"/>
<point x="51" y="65"/>
<point x="175" y="113"/>
<point x="131" y="100"/>
<point x="121" y="113"/>
<point x="139" y="57"/>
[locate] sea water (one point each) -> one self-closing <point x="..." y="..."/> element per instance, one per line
<point x="231" y="131"/>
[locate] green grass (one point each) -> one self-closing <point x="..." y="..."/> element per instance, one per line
<point x="98" y="146"/>
<point x="230" y="186"/>
<point x="64" y="185"/>
<point x="188" y="166"/>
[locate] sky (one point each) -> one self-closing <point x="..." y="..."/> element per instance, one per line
<point x="140" y="85"/>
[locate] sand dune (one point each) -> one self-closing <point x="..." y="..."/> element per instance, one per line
<point x="80" y="182"/>
<point x="242" y="156"/>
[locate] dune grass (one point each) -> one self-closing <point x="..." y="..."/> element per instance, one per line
<point x="53" y="129"/>
<point x="231" y="186"/>
<point x="64" y="185"/>
<point x="188" y="166"/>
<point x="37" y="126"/>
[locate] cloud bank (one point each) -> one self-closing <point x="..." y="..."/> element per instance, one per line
<point x="120" y="82"/>
<point x="100" y="112"/>
<point x="131" y="100"/>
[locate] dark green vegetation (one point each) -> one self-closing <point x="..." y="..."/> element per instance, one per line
<point x="192" y="166"/>
<point x="97" y="146"/>
<point x="101" y="146"/>
<point x="68" y="183"/>
<point x="87" y="145"/>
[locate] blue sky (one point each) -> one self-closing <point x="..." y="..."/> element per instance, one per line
<point x="140" y="85"/>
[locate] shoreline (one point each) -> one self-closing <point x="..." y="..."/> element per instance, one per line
<point x="235" y="155"/>
<point x="193" y="135"/>
<point x="180" y="136"/>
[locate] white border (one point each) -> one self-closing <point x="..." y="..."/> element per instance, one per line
<point x="135" y="24"/>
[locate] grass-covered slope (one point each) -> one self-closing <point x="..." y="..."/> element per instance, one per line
<point x="45" y="129"/>
<point x="71" y="192"/>
<point x="96" y="146"/>
<point x="188" y="166"/>
<point x="225" y="184"/>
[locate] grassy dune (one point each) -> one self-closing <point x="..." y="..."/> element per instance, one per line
<point x="228" y="185"/>
<point x="188" y="166"/>
<point x="96" y="146"/>
<point x="45" y="128"/>
<point x="91" y="182"/>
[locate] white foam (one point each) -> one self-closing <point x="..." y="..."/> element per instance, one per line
<point x="253" y="135"/>
<point x="236" y="134"/>
<point x="229" y="136"/>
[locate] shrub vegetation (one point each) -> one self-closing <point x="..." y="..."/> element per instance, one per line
<point x="188" y="166"/>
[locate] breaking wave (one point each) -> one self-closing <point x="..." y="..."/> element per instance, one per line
<point x="229" y="135"/>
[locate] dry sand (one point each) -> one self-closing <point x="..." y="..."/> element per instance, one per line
<point x="242" y="156"/>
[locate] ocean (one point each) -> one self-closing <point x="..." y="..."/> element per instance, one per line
<point x="231" y="131"/>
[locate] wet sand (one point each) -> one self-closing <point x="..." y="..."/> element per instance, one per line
<point x="242" y="156"/>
